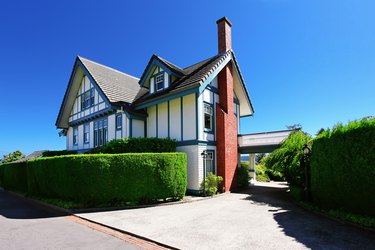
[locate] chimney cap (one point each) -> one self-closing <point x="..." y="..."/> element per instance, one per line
<point x="225" y="19"/>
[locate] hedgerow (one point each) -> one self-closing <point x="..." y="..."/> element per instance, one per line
<point x="14" y="176"/>
<point x="137" y="145"/>
<point x="343" y="167"/>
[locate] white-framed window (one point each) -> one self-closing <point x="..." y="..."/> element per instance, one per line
<point x="88" y="99"/>
<point x="100" y="132"/>
<point x="118" y="121"/>
<point x="75" y="135"/>
<point x="86" y="133"/>
<point x="159" y="82"/>
<point x="208" y="116"/>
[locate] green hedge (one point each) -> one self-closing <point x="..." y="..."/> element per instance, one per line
<point x="137" y="145"/>
<point x="13" y="176"/>
<point x="343" y="167"/>
<point x="98" y="179"/>
<point x="51" y="153"/>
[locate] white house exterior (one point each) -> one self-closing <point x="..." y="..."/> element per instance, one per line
<point x="102" y="104"/>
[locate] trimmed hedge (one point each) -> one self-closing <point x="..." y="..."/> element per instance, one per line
<point x="13" y="176"/>
<point x="343" y="167"/>
<point x="51" y="153"/>
<point x="100" y="179"/>
<point x="137" y="145"/>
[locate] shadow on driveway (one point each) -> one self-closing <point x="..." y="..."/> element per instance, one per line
<point x="13" y="207"/>
<point x="314" y="231"/>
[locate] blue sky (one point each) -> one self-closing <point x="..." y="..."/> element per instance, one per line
<point x="307" y="62"/>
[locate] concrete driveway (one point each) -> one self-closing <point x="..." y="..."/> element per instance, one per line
<point x="263" y="218"/>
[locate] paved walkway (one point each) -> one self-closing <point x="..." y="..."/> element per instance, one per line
<point x="263" y="218"/>
<point x="24" y="225"/>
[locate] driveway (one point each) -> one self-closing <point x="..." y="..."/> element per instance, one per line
<point x="24" y="225"/>
<point x="262" y="218"/>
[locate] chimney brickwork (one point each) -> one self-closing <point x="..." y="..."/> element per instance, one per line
<point x="226" y="121"/>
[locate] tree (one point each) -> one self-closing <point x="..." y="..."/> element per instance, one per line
<point x="16" y="155"/>
<point x="259" y="157"/>
<point x="296" y="126"/>
<point x="287" y="158"/>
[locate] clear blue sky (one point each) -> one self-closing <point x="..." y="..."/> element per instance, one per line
<point x="308" y="62"/>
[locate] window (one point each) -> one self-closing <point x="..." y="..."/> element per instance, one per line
<point x="86" y="133"/>
<point x="119" y="121"/>
<point x="159" y="82"/>
<point x="210" y="167"/>
<point x="100" y="132"/>
<point x="75" y="136"/>
<point x="87" y="99"/>
<point x="208" y="116"/>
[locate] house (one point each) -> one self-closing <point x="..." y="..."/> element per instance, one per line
<point x="200" y="106"/>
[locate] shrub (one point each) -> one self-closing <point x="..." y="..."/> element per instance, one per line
<point x="58" y="153"/>
<point x="288" y="157"/>
<point x="14" y="176"/>
<point x="212" y="183"/>
<point x="243" y="177"/>
<point x="98" y="179"/>
<point x="137" y="145"/>
<point x="343" y="167"/>
<point x="261" y="173"/>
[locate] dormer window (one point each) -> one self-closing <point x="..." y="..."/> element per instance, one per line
<point x="159" y="81"/>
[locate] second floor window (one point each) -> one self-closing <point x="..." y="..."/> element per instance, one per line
<point x="87" y="99"/>
<point x="118" y="121"/>
<point x="208" y="116"/>
<point x="159" y="82"/>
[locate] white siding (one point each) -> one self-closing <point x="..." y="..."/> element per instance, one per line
<point x="162" y="114"/>
<point x="80" y="136"/>
<point x="189" y="117"/>
<point x="175" y="118"/>
<point x="138" y="128"/>
<point x="111" y="127"/>
<point x="151" y="121"/>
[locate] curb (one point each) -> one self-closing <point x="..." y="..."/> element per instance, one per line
<point x="137" y="239"/>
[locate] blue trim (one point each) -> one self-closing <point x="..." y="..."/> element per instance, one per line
<point x="157" y="121"/>
<point x="194" y="191"/>
<point x="212" y="130"/>
<point x="131" y="116"/>
<point x="214" y="74"/>
<point x="84" y="132"/>
<point x="165" y="98"/>
<point x="196" y="142"/>
<point x="92" y="116"/>
<point x="154" y="61"/>
<point x="130" y="127"/>
<point x="196" y="117"/>
<point x="116" y="123"/>
<point x="169" y="121"/>
<point x="77" y="137"/>
<point x="145" y="128"/>
<point x="182" y="119"/>
<point x="79" y="112"/>
<point x="85" y="72"/>
<point x="213" y="160"/>
<point x="160" y="73"/>
<point x="214" y="115"/>
<point x="213" y="89"/>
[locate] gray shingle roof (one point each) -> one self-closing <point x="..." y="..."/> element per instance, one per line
<point x="117" y="86"/>
<point x="192" y="76"/>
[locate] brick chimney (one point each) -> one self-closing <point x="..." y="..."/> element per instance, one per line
<point x="224" y="34"/>
<point x="226" y="122"/>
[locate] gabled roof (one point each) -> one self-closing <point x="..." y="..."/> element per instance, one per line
<point x="192" y="76"/>
<point x="117" y="86"/>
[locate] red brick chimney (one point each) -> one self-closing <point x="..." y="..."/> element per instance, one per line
<point x="226" y="122"/>
<point x="224" y="34"/>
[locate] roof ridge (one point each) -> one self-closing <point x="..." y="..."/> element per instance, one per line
<point x="224" y="55"/>
<point x="161" y="58"/>
<point x="104" y="66"/>
<point x="199" y="62"/>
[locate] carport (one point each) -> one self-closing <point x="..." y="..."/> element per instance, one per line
<point x="264" y="142"/>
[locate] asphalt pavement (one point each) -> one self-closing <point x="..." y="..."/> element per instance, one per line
<point x="25" y="225"/>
